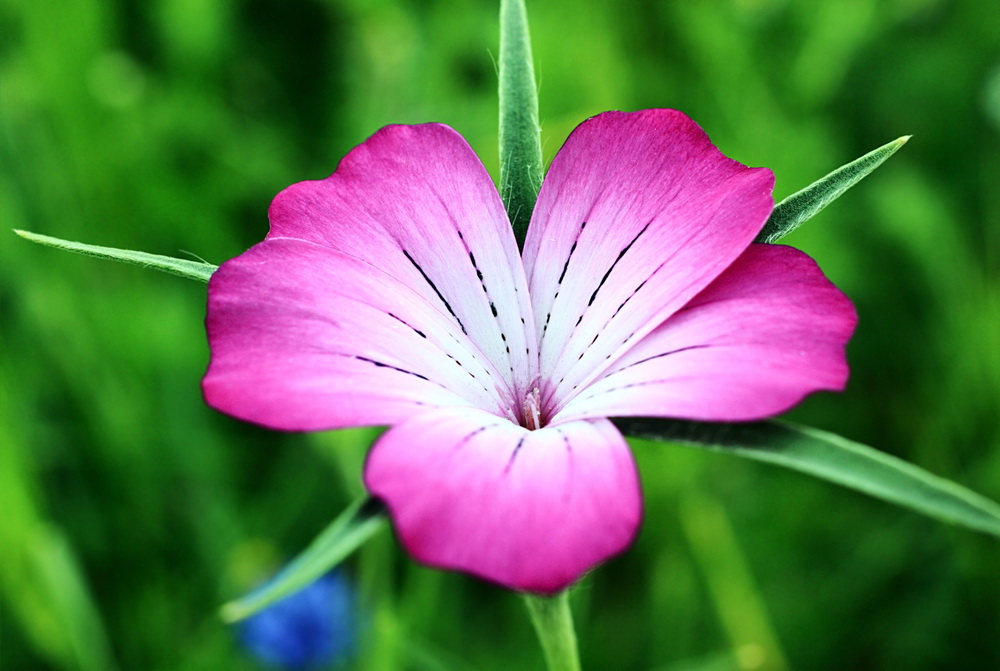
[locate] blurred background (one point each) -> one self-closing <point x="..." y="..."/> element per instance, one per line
<point x="129" y="511"/>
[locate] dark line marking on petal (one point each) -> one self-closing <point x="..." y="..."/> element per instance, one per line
<point x="562" y="275"/>
<point x="567" y="493"/>
<point x="434" y="287"/>
<point x="476" y="377"/>
<point x="658" y="356"/>
<point x="390" y="366"/>
<point x="615" y="263"/>
<point x="475" y="433"/>
<point x="604" y="279"/>
<point x="415" y="330"/>
<point x="641" y="383"/>
<point x="513" y="455"/>
<point x="486" y="292"/>
<point x="673" y="351"/>
<point x="569" y="256"/>
<point x="447" y="354"/>
<point x="627" y="299"/>
<point x="479" y="273"/>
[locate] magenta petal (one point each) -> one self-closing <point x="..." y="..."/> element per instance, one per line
<point x="530" y="510"/>
<point x="416" y="202"/>
<point x="768" y="331"/>
<point x="306" y="338"/>
<point x="637" y="214"/>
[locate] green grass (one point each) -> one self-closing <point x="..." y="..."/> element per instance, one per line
<point x="130" y="511"/>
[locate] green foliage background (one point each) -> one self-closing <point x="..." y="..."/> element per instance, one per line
<point x="129" y="511"/>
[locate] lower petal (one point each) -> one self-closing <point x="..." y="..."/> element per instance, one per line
<point x="530" y="510"/>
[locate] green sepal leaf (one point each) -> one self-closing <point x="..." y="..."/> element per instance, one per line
<point x="344" y="535"/>
<point x="802" y="206"/>
<point x="193" y="270"/>
<point x="520" y="132"/>
<point x="830" y="457"/>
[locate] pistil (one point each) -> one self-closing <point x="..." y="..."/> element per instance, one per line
<point x="532" y="418"/>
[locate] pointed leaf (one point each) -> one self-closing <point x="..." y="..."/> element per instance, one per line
<point x="520" y="133"/>
<point x="800" y="207"/>
<point x="343" y="536"/>
<point x="194" y="270"/>
<point x="830" y="457"/>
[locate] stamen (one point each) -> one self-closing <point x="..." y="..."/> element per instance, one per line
<point x="532" y="410"/>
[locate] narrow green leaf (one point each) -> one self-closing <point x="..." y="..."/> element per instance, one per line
<point x="830" y="457"/>
<point x="193" y="270"/>
<point x="70" y="599"/>
<point x="345" y="534"/>
<point x="520" y="134"/>
<point x="800" y="207"/>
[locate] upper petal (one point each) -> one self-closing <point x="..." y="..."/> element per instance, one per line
<point x="416" y="202"/>
<point x="303" y="337"/>
<point x="531" y="510"/>
<point x="768" y="331"/>
<point x="637" y="214"/>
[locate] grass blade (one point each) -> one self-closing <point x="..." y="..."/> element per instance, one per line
<point x="343" y="536"/>
<point x="193" y="270"/>
<point x="830" y="457"/>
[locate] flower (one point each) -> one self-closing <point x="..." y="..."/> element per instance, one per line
<point x="392" y="293"/>
<point x="311" y="629"/>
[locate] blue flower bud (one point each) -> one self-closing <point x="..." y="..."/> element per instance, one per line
<point x="314" y="628"/>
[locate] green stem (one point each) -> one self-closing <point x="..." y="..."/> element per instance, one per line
<point x="553" y="623"/>
<point x="520" y="133"/>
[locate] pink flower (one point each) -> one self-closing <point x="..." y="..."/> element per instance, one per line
<point x="392" y="293"/>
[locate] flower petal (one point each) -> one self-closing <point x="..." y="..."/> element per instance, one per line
<point x="417" y="202"/>
<point x="531" y="510"/>
<point x="306" y="338"/>
<point x="637" y="214"/>
<point x="768" y="331"/>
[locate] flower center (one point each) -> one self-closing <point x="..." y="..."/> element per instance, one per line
<point x="531" y="410"/>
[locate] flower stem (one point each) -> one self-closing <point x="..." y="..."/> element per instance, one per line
<point x="553" y="623"/>
<point x="520" y="133"/>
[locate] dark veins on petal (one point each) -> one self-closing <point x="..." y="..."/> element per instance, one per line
<point x="434" y="287"/>
<point x="604" y="279"/>
<point x="423" y="335"/>
<point x="513" y="455"/>
<point x="482" y="283"/>
<point x="415" y="330"/>
<point x="473" y="434"/>
<point x="562" y="275"/>
<point x="643" y="383"/>
<point x="380" y="364"/>
<point x="659" y="356"/>
<point x="600" y="284"/>
<point x="569" y="452"/>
